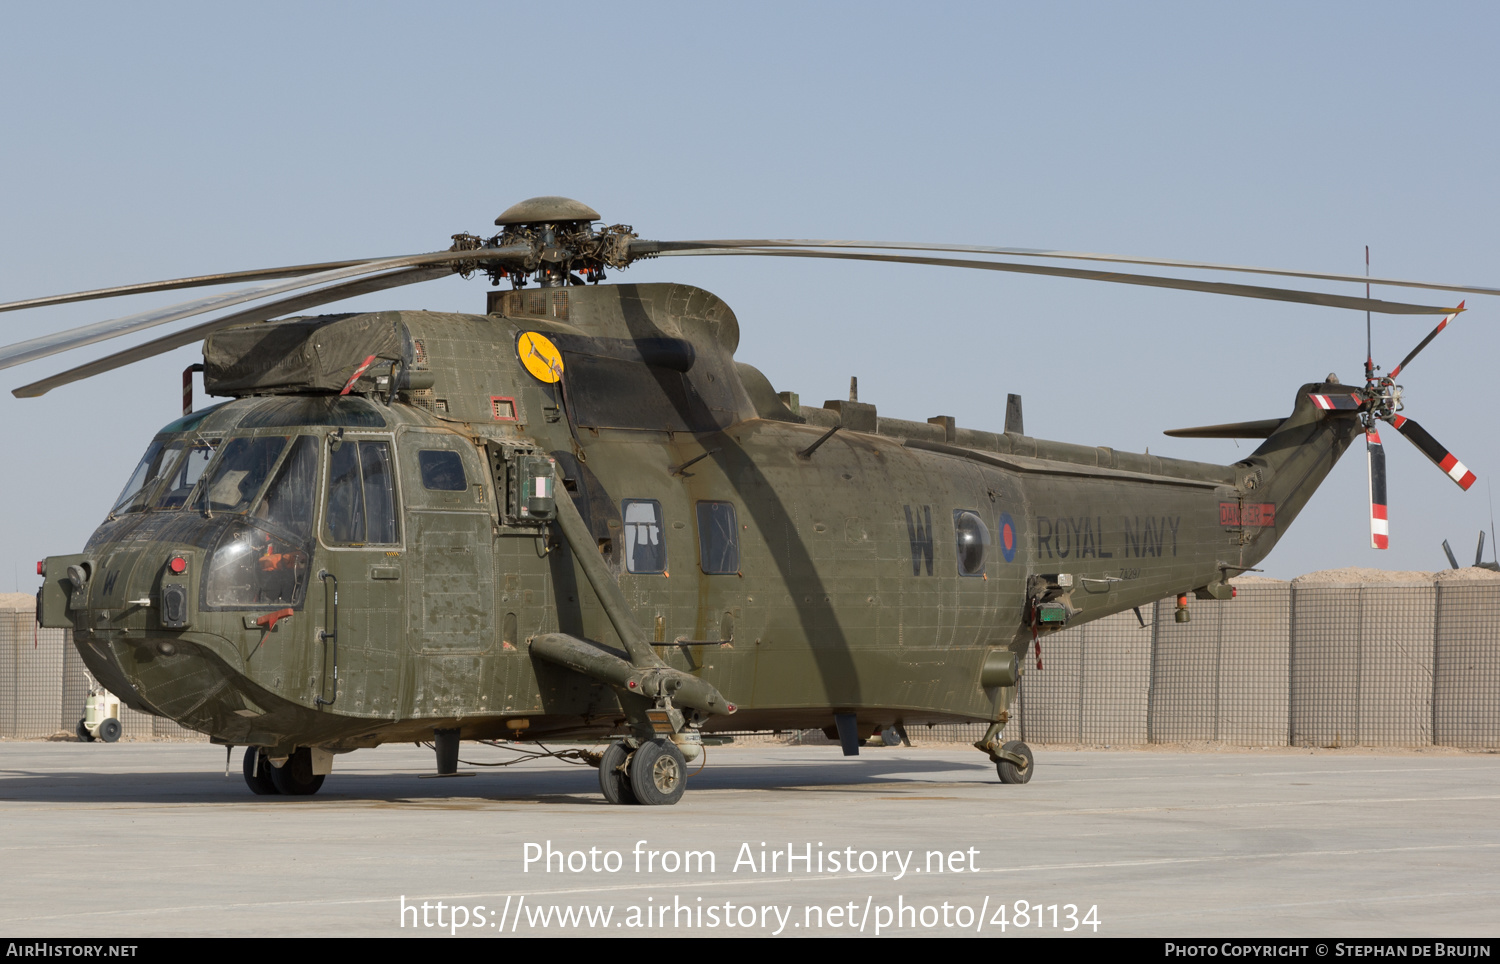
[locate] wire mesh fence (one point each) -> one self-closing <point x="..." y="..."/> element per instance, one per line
<point x="1332" y="659"/>
<point x="1466" y="664"/>
<point x="30" y="677"/>
<point x="1362" y="661"/>
<point x="44" y="687"/>
<point x="1223" y="676"/>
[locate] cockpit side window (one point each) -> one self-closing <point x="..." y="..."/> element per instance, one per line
<point x="236" y="478"/>
<point x="177" y="463"/>
<point x="148" y="470"/>
<point x="263" y="560"/>
<point x="361" y="505"/>
<point x="288" y="502"/>
<point x="183" y="468"/>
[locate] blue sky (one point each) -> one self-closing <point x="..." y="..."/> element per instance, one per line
<point x="158" y="140"/>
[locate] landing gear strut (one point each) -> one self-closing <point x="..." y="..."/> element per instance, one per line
<point x="1013" y="760"/>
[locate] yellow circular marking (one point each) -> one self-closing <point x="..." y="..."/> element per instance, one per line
<point x="540" y="357"/>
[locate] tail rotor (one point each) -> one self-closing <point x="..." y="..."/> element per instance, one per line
<point x="1381" y="401"/>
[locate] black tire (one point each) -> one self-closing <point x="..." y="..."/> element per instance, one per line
<point x="1009" y="772"/>
<point x="658" y="774"/>
<point x="84" y="736"/>
<point x="613" y="781"/>
<point x="258" y="779"/>
<point x="889" y="737"/>
<point x="295" y="777"/>
<point x="110" y="730"/>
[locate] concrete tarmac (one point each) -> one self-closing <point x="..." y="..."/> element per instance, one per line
<point x="152" y="839"/>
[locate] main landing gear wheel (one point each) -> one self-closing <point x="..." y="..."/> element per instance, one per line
<point x="658" y="773"/>
<point x="613" y="780"/>
<point x="1009" y="772"/>
<point x="295" y="777"/>
<point x="84" y="736"/>
<point x="258" y="778"/>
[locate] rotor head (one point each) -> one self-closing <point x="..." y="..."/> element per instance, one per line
<point x="549" y="209"/>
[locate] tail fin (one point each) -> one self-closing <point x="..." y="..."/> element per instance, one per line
<point x="1294" y="460"/>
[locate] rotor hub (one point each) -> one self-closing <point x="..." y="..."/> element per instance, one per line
<point x="554" y="239"/>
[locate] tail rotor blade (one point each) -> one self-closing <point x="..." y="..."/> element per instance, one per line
<point x="1428" y="340"/>
<point x="1380" y="530"/>
<point x="1448" y="551"/>
<point x="1434" y="450"/>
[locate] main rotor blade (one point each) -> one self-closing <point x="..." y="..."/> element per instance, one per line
<point x="664" y="246"/>
<point x="197" y="281"/>
<point x="1380" y="528"/>
<point x="1154" y="281"/>
<point x="1479" y="552"/>
<point x="177" y="339"/>
<point x="1451" y="559"/>
<point x="1428" y="340"/>
<point x="1434" y="450"/>
<point x="52" y="344"/>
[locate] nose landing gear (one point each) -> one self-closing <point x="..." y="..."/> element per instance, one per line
<point x="294" y="778"/>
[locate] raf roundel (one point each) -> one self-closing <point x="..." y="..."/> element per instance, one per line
<point x="1007" y="537"/>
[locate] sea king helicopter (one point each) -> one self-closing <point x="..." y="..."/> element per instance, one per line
<point x="577" y="516"/>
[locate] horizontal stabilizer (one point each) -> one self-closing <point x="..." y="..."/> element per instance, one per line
<point x="1260" y="429"/>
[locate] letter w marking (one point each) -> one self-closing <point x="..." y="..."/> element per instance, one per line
<point x="920" y="534"/>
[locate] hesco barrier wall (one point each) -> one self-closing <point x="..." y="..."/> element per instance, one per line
<point x="1339" y="658"/>
<point x="1362" y="658"/>
<point x="1466" y="661"/>
<point x="1092" y="687"/>
<point x="43" y="684"/>
<point x="1224" y="676"/>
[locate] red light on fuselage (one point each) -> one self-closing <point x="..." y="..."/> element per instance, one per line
<point x="41" y="567"/>
<point x="178" y="565"/>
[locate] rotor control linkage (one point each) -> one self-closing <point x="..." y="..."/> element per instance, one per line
<point x="576" y="533"/>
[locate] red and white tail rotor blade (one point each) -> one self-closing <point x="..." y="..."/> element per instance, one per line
<point x="1434" y="450"/>
<point x="1380" y="529"/>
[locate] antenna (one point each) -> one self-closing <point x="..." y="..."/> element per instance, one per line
<point x="1369" y="342"/>
<point x="1491" y="491"/>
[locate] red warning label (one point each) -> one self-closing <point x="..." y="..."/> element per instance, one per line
<point x="1251" y="515"/>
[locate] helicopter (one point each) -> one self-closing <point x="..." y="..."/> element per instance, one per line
<point x="579" y="517"/>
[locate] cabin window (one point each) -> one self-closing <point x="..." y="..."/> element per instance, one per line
<point x="645" y="546"/>
<point x="718" y="538"/>
<point x="361" y="495"/>
<point x="972" y="537"/>
<point x="442" y="471"/>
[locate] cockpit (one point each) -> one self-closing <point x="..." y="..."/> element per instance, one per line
<point x="248" y="495"/>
